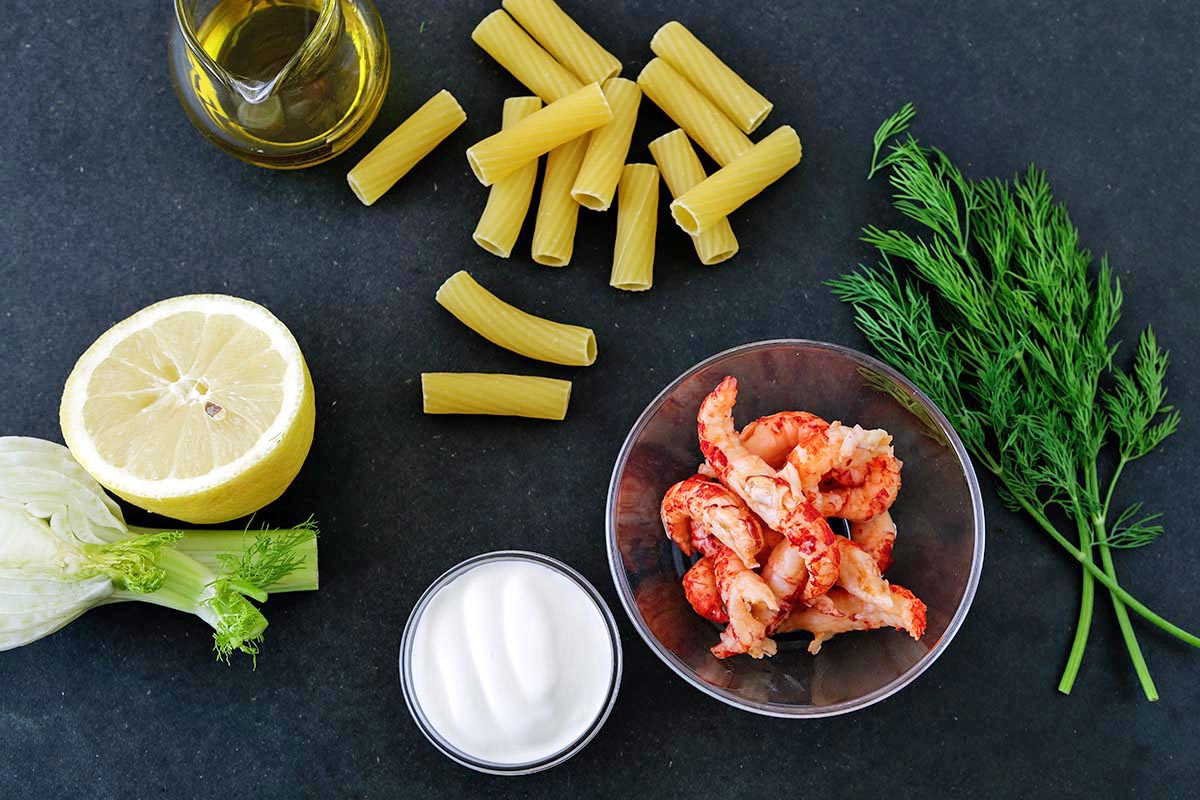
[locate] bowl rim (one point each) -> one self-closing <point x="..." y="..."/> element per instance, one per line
<point x="625" y="592"/>
<point x="414" y="705"/>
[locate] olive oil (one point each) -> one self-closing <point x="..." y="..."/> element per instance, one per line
<point x="285" y="83"/>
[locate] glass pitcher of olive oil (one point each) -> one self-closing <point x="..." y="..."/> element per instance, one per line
<point x="279" y="83"/>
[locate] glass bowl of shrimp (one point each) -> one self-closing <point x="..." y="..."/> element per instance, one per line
<point x="795" y="529"/>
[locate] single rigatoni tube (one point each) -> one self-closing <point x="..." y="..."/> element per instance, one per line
<point x="601" y="168"/>
<point x="509" y="198"/>
<point x="404" y="147"/>
<point x="505" y="152"/>
<point x="723" y="192"/>
<point x="495" y="394"/>
<point x="681" y="169"/>
<point x="566" y="41"/>
<point x="558" y="213"/>
<point x="637" y="224"/>
<point x="513" y="49"/>
<point x="689" y="56"/>
<point x="513" y="329"/>
<point x="693" y="112"/>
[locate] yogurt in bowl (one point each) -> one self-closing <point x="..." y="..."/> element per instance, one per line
<point x="510" y="663"/>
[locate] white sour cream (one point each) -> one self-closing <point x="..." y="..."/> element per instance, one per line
<point x="511" y="662"/>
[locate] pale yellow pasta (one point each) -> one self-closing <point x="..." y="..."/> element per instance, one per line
<point x="508" y="200"/>
<point x="513" y="329"/>
<point x="495" y="394"/>
<point x="558" y="213"/>
<point x="601" y="169"/>
<point x="565" y="40"/>
<point x="404" y="147"/>
<point x="738" y="100"/>
<point x="513" y="49"/>
<point x="681" y="169"/>
<point x="637" y="224"/>
<point x="505" y="152"/>
<point x="707" y="203"/>
<point x="693" y="112"/>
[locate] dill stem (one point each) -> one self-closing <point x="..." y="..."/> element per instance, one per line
<point x="1106" y="559"/>
<point x="1109" y="582"/>
<point x="1083" y="627"/>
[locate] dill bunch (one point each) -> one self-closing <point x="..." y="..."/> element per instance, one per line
<point x="995" y="312"/>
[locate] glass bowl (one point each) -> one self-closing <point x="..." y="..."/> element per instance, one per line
<point x="938" y="513"/>
<point x="414" y="705"/>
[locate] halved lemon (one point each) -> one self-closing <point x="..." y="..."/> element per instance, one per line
<point x="199" y="408"/>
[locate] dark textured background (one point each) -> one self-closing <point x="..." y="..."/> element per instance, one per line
<point x="111" y="201"/>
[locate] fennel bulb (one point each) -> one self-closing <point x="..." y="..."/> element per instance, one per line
<point x="65" y="547"/>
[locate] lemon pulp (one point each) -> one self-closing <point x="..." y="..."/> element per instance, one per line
<point x="200" y="408"/>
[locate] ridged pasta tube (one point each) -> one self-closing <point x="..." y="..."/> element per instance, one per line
<point x="513" y="329"/>
<point x="693" y="112"/>
<point x="707" y="203"/>
<point x="738" y="100"/>
<point x="513" y="49"/>
<point x="637" y="224"/>
<point x="570" y="44"/>
<point x="601" y="169"/>
<point x="505" y="152"/>
<point x="681" y="169"/>
<point x="558" y="213"/>
<point x="400" y="151"/>
<point x="509" y="198"/>
<point x="495" y="394"/>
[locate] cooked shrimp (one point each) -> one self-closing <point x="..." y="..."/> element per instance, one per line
<point x="751" y="607"/>
<point x="876" y="536"/>
<point x="775" y="496"/>
<point x="713" y="509"/>
<point x="749" y="604"/>
<point x="784" y="572"/>
<point x="837" y="452"/>
<point x="771" y="539"/>
<point x="874" y="496"/>
<point x="772" y="437"/>
<point x="824" y="605"/>
<point x="840" y="469"/>
<point x="907" y="614"/>
<point x="859" y="575"/>
<point x="700" y="587"/>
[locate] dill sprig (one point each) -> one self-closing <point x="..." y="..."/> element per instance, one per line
<point x="995" y="312"/>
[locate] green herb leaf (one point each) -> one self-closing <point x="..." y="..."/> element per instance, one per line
<point x="1130" y="531"/>
<point x="993" y="309"/>
<point x="268" y="559"/>
<point x="892" y="126"/>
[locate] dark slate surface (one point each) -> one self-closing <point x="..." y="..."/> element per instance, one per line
<point x="111" y="201"/>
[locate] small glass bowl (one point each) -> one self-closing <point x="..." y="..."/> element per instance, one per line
<point x="939" y="514"/>
<point x="431" y="733"/>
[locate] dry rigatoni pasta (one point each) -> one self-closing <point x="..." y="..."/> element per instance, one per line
<point x="404" y="147"/>
<point x="693" y="112"/>
<point x="739" y="101"/>
<point x="715" y="198"/>
<point x="637" y="224"/>
<point x="565" y="40"/>
<point x="505" y="152"/>
<point x="558" y="213"/>
<point x="508" y="200"/>
<point x="681" y="169"/>
<point x="513" y="329"/>
<point x="503" y="40"/>
<point x="601" y="169"/>
<point x="495" y="394"/>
